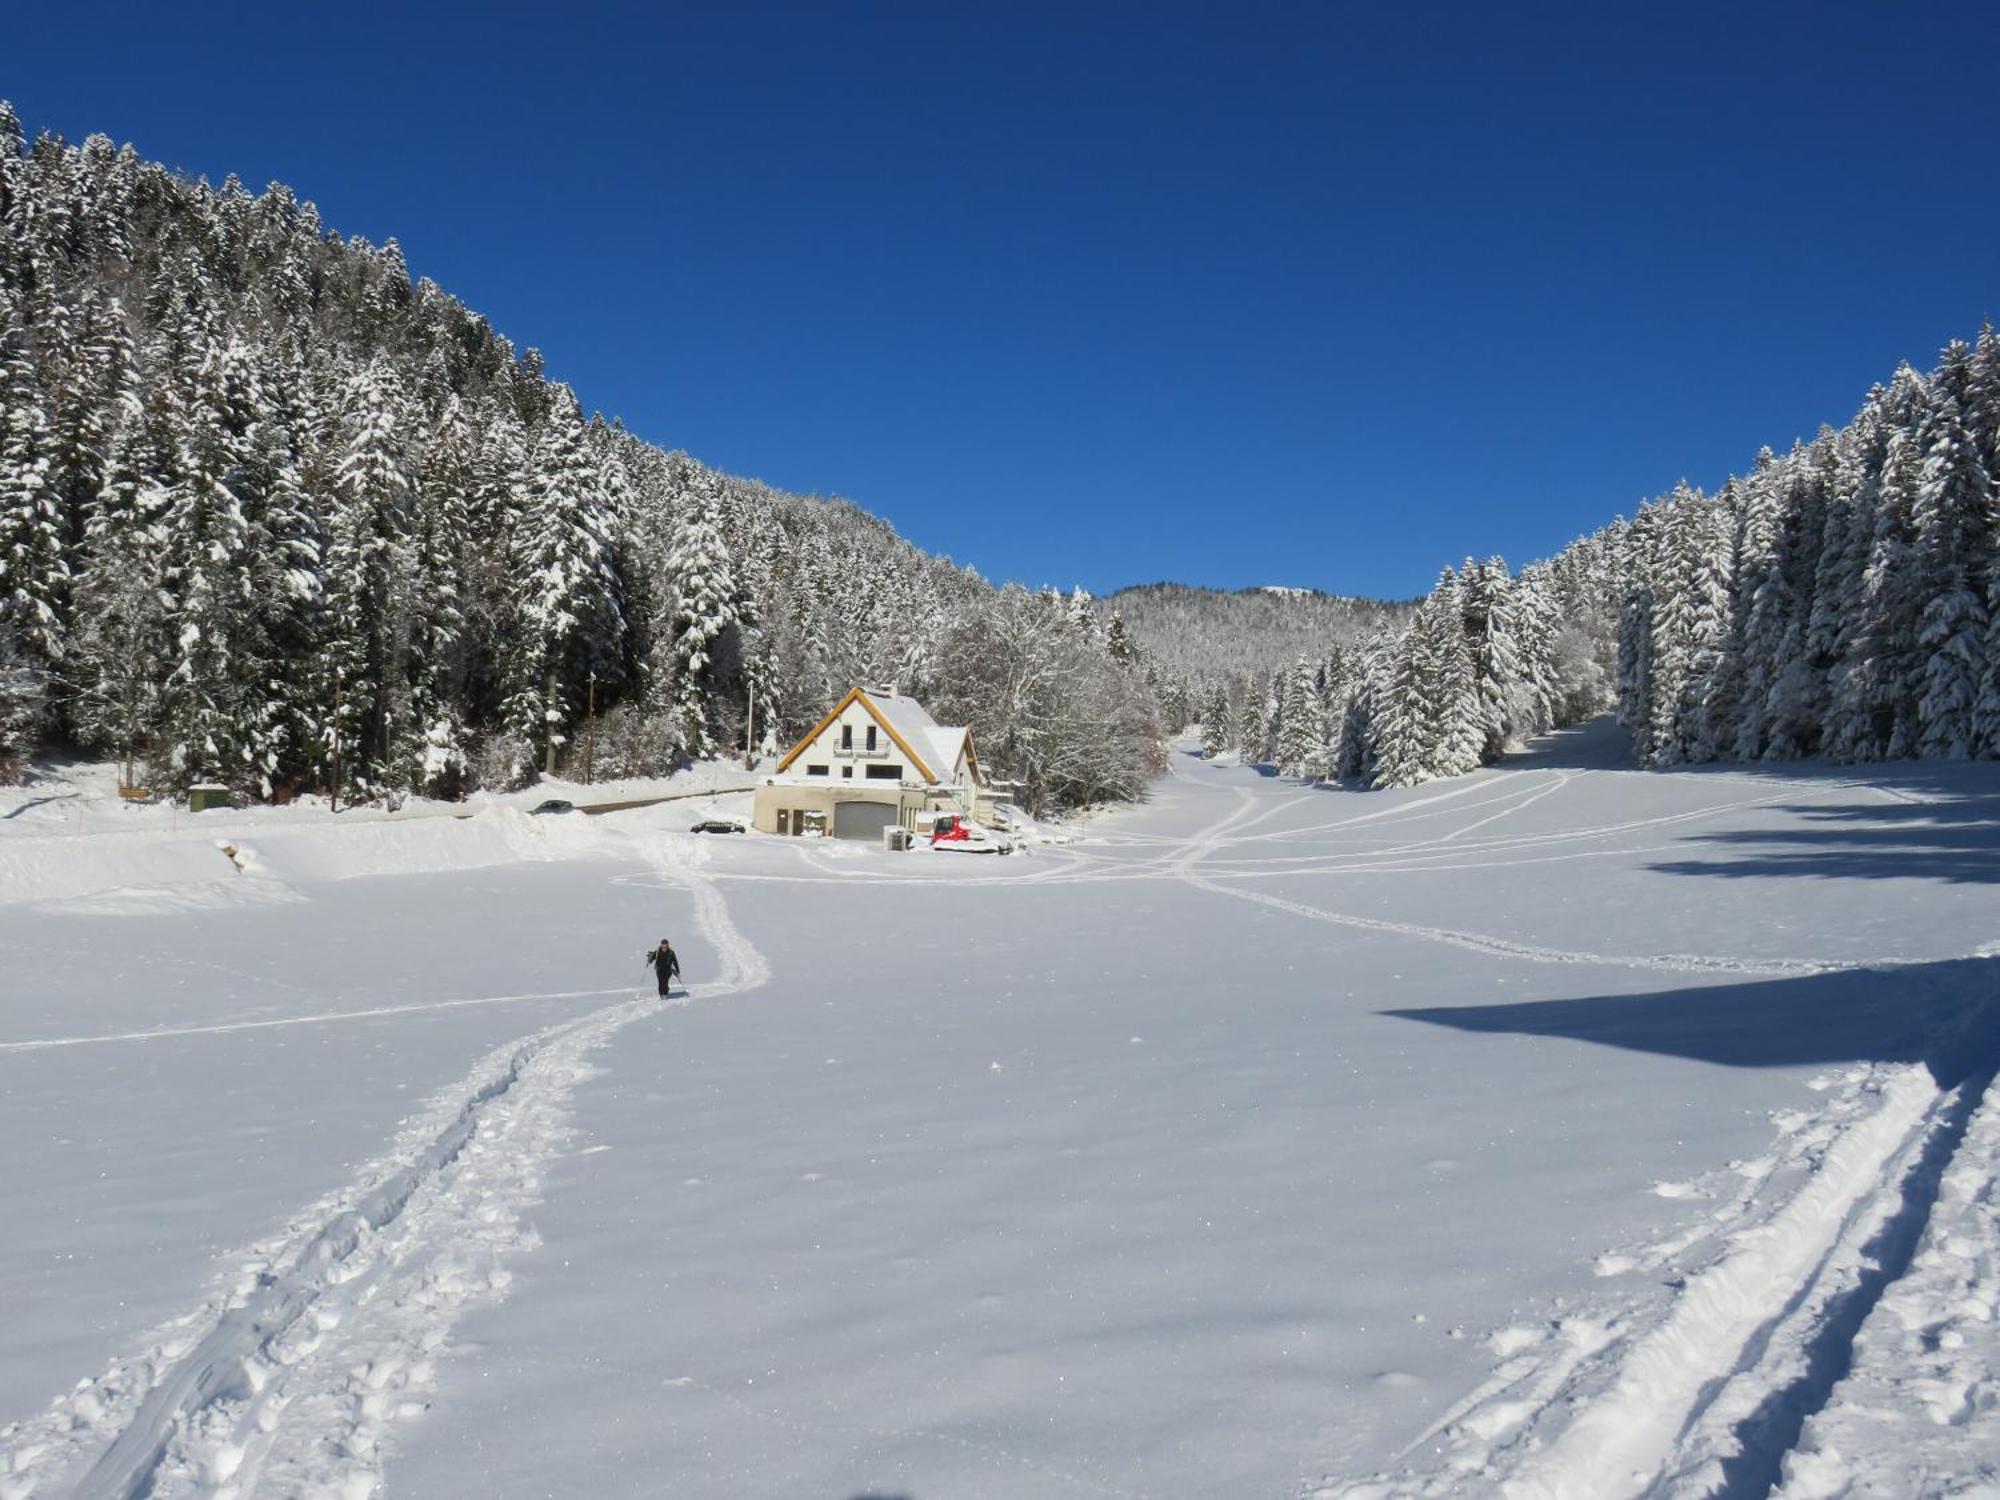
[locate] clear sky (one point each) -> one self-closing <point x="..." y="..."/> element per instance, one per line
<point x="1314" y="294"/>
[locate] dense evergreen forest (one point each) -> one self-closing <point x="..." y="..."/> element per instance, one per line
<point x="272" y="513"/>
<point x="1839" y="601"/>
<point x="275" y="515"/>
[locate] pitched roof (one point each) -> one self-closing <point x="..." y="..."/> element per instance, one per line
<point x="935" y="744"/>
<point x="933" y="748"/>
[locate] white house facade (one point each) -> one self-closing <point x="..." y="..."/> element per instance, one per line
<point x="876" y="761"/>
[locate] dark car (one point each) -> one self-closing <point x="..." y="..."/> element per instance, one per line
<point x="717" y="825"/>
<point x="554" y="805"/>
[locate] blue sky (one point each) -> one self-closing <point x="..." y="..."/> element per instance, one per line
<point x="1308" y="294"/>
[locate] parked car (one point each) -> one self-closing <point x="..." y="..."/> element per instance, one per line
<point x="717" y="825"/>
<point x="960" y="835"/>
<point x="553" y="805"/>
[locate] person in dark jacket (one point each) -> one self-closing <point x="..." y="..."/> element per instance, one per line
<point x="666" y="964"/>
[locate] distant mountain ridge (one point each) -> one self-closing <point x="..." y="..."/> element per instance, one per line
<point x="1200" y="637"/>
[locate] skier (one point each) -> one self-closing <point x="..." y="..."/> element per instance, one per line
<point x="666" y="963"/>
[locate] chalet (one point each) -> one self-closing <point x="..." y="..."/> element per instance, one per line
<point x="877" y="761"/>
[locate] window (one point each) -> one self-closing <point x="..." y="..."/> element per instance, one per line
<point x="815" y="770"/>
<point x="885" y="772"/>
<point x="871" y="736"/>
<point x="847" y="737"/>
<point x="848" y="772"/>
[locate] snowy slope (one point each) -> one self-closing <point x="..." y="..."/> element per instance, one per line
<point x="1558" y="1130"/>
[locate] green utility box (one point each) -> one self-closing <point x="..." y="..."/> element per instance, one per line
<point x="202" y="798"/>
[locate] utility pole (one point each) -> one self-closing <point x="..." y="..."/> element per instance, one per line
<point x="590" y="729"/>
<point x="549" y="719"/>
<point x="336" y="739"/>
<point x="750" y="726"/>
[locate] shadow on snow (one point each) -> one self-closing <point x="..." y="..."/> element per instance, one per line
<point x="1943" y="1015"/>
<point x="1953" y="838"/>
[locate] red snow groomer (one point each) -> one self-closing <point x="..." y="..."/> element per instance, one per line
<point x="959" y="834"/>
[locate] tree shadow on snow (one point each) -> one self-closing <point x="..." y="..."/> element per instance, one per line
<point x="1952" y="838"/>
<point x="1945" y="1015"/>
<point x="1601" y="744"/>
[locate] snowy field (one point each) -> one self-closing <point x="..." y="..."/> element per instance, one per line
<point x="1562" y="1130"/>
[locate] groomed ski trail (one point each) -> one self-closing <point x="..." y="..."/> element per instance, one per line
<point x="290" y="1375"/>
<point x="1707" y="1398"/>
<point x="1686" y="963"/>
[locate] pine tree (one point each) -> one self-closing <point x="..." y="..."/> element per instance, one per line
<point x="1763" y="600"/>
<point x="1398" y="722"/>
<point x="1670" y="649"/>
<point x="33" y="572"/>
<point x="1707" y="580"/>
<point x="1955" y="521"/>
<point x="364" y="562"/>
<point x="433" y="757"/>
<point x="1215" y="723"/>
<point x="1510" y="700"/>
<point x="1880" y="688"/>
<point x="1253" y="726"/>
<point x="209" y="720"/>
<point x="572" y="619"/>
<point x="1796" y="702"/>
<point x="1118" y="644"/>
<point x="1840" y="602"/>
<point x="1302" y="732"/>
<point x="705" y="617"/>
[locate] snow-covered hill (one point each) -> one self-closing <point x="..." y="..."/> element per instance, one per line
<point x="1557" y="1130"/>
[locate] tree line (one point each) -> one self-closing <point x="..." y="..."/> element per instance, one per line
<point x="1841" y="600"/>
<point x="275" y="515"/>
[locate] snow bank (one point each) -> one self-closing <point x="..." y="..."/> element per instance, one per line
<point x="70" y="844"/>
<point x="117" y="870"/>
<point x="501" y="835"/>
<point x="138" y="874"/>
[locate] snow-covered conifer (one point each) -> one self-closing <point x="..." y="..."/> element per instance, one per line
<point x="1955" y="519"/>
<point x="571" y="620"/>
<point x="705" y="615"/>
<point x="33" y="570"/>
<point x="1302" y="735"/>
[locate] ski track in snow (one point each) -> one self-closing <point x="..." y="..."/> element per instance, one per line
<point x="326" y="1018"/>
<point x="1804" y="1291"/>
<point x="1686" y="963"/>
<point x="290" y="1376"/>
<point x="1706" y="1397"/>
<point x="1921" y="1403"/>
<point x="1709" y="1396"/>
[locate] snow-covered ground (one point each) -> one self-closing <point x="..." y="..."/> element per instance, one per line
<point x="1561" y="1130"/>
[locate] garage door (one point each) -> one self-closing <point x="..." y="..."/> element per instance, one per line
<point x="863" y="820"/>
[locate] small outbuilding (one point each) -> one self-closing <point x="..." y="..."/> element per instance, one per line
<point x="877" y="760"/>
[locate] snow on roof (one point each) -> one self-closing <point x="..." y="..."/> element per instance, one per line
<point x="937" y="744"/>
